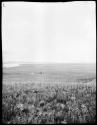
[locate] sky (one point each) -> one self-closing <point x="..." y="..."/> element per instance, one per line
<point x="49" y="32"/>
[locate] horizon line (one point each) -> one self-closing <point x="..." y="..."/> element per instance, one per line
<point x="49" y="62"/>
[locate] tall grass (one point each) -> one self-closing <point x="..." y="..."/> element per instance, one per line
<point x="52" y="104"/>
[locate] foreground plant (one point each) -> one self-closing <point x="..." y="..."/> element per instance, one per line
<point x="50" y="105"/>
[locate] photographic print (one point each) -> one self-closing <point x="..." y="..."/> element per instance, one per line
<point x="49" y="62"/>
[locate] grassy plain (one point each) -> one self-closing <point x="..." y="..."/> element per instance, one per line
<point x="49" y="94"/>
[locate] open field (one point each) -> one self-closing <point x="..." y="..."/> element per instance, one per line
<point x="49" y="94"/>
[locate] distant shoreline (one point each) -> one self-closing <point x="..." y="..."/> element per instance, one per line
<point x="10" y="65"/>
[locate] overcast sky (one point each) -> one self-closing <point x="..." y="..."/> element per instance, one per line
<point x="49" y="32"/>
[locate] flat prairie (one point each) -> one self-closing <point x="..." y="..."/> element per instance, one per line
<point x="49" y="94"/>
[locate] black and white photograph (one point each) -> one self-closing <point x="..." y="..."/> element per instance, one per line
<point x="49" y="62"/>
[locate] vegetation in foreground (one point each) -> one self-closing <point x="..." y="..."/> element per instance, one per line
<point x="48" y="105"/>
